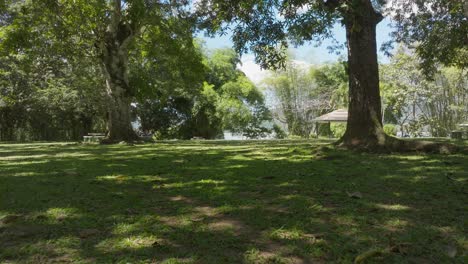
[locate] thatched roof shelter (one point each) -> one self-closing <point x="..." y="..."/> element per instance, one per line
<point x="340" y="115"/>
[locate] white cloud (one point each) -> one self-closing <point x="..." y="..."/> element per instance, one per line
<point x="301" y="64"/>
<point x="256" y="74"/>
<point x="252" y="70"/>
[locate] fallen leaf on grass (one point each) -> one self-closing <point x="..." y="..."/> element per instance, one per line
<point x="356" y="195"/>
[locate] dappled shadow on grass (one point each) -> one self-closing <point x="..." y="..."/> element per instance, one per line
<point x="212" y="202"/>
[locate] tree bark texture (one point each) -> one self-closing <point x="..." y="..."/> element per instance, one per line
<point x="364" y="127"/>
<point x="118" y="92"/>
<point x="114" y="59"/>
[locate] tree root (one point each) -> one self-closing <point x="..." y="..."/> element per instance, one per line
<point x="389" y="144"/>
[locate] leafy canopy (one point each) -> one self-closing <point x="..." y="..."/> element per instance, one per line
<point x="438" y="28"/>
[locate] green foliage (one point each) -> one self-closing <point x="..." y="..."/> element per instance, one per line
<point x="166" y="119"/>
<point x="438" y="29"/>
<point x="257" y="28"/>
<point x="338" y="129"/>
<point x="164" y="65"/>
<point x="390" y="129"/>
<point x="279" y="132"/>
<point x="294" y="137"/>
<point x="46" y="94"/>
<point x="222" y="65"/>
<point x="303" y="93"/>
<point x="444" y="43"/>
<point x="227" y="100"/>
<point x="267" y="27"/>
<point x="332" y="79"/>
<point x="241" y="108"/>
<point x="80" y="36"/>
<point x="415" y="102"/>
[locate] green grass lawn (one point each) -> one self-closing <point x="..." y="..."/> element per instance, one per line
<point x="229" y="202"/>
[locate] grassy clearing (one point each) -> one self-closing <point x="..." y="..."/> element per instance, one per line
<point x="229" y="202"/>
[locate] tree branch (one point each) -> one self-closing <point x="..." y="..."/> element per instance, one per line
<point x="333" y="4"/>
<point x="115" y="16"/>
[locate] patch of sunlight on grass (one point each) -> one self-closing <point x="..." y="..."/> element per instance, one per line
<point x="237" y="166"/>
<point x="116" y="165"/>
<point x="393" y="207"/>
<point x="178" y="261"/>
<point x="137" y="241"/>
<point x="181" y="221"/>
<point x="72" y="155"/>
<point x="28" y="159"/>
<point x="407" y="158"/>
<point x="255" y="256"/>
<point x="128" y="228"/>
<point x="42" y="251"/>
<point x="289" y="197"/>
<point x="286" y="234"/>
<point x="393" y="177"/>
<point x="124" y="228"/>
<point x="67" y="242"/>
<point x="25" y="174"/>
<point x="117" y="178"/>
<point x="286" y="184"/>
<point x="3" y="214"/>
<point x="125" y="243"/>
<point x="239" y="158"/>
<point x="345" y="221"/>
<point x="61" y="213"/>
<point x="418" y="178"/>
<point x="208" y="181"/>
<point x="318" y="208"/>
<point x="395" y="223"/>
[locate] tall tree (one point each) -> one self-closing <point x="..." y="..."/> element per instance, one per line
<point x="302" y="93"/>
<point x="44" y="93"/>
<point x="438" y="104"/>
<point x="107" y="30"/>
<point x="265" y="27"/>
<point x="228" y="100"/>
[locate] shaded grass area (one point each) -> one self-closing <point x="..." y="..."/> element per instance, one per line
<point x="229" y="202"/>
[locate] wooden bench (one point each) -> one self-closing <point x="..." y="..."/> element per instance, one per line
<point x="93" y="137"/>
<point x="461" y="133"/>
<point x="456" y="134"/>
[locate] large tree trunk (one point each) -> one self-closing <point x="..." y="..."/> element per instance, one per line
<point x="114" y="58"/>
<point x="119" y="93"/>
<point x="364" y="127"/>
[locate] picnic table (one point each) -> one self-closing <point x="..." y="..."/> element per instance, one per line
<point x="460" y="133"/>
<point x="93" y="137"/>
